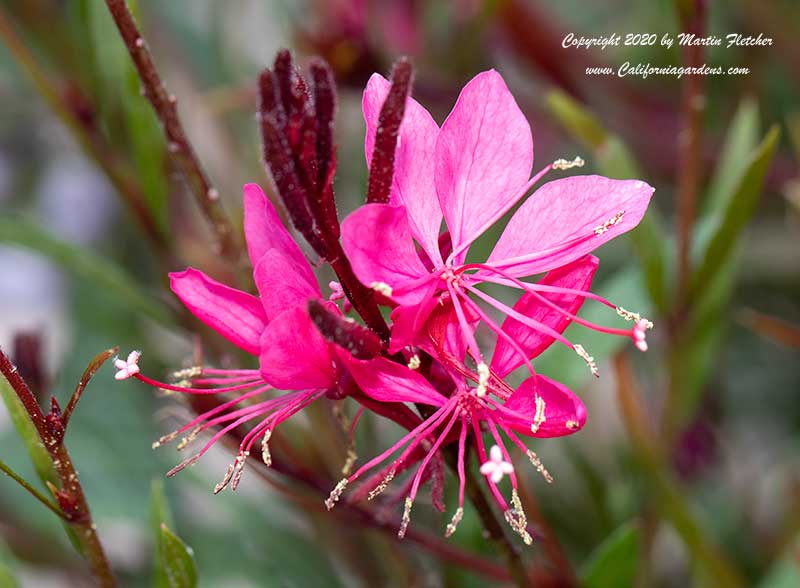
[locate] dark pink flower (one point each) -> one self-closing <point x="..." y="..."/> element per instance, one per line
<point x="275" y="327"/>
<point x="469" y="174"/>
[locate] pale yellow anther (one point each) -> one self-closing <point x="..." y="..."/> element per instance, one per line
<point x="537" y="463"/>
<point x="483" y="380"/>
<point x="383" y="485"/>
<point x="188" y="373"/>
<point x="515" y="517"/>
<point x="414" y="362"/>
<point x="600" y="229"/>
<point x="238" y="470"/>
<point x="451" y="527"/>
<point x="336" y="494"/>
<point x="572" y="425"/>
<point x="584" y="355"/>
<point x="401" y="532"/>
<point x="563" y="164"/>
<point x="539" y="417"/>
<point x="382" y="287"/>
<point x="634" y="316"/>
<point x="266" y="456"/>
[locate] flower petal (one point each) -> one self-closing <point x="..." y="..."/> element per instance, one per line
<point x="412" y="183"/>
<point x="264" y="230"/>
<point x="484" y="155"/>
<point x="377" y="240"/>
<point x="575" y="276"/>
<point x="564" y="413"/>
<point x="236" y="315"/>
<point x="294" y="354"/>
<point x="281" y="284"/>
<point x="387" y="381"/>
<point x="566" y="219"/>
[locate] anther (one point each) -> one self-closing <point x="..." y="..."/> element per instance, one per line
<point x="483" y="379"/>
<point x="563" y="164"/>
<point x="600" y="229"/>
<point x="537" y="463"/>
<point x="517" y="520"/>
<point x="451" y="527"/>
<point x="349" y="461"/>
<point x="188" y="373"/>
<point x="227" y="478"/>
<point x="584" y="355"/>
<point x="539" y="417"/>
<point x="336" y="493"/>
<point x="413" y="363"/>
<point x="634" y="316"/>
<point x="382" y="287"/>
<point x="266" y="456"/>
<point x="241" y="459"/>
<point x="401" y="532"/>
<point x="383" y="485"/>
<point x="188" y="439"/>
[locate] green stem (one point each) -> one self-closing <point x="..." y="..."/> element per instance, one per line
<point x="31" y="490"/>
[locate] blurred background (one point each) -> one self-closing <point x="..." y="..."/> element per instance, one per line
<point x="687" y="472"/>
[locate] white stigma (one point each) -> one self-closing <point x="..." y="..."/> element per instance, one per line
<point x="584" y="355"/>
<point x="600" y="229"/>
<point x="496" y="467"/>
<point x="640" y="334"/>
<point x="382" y="287"/>
<point x="127" y="367"/>
<point x="563" y="164"/>
<point x="483" y="379"/>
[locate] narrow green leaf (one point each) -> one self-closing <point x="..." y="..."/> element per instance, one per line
<point x="615" y="160"/>
<point x="85" y="265"/>
<point x="27" y="432"/>
<point x="740" y="209"/>
<point x="613" y="562"/>
<point x="174" y="560"/>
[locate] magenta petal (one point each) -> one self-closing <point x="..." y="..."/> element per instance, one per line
<point x="575" y="276"/>
<point x="484" y="155"/>
<point x="564" y="412"/>
<point x="377" y="240"/>
<point x="387" y="381"/>
<point x="236" y="315"/>
<point x="294" y="355"/>
<point x="412" y="184"/>
<point x="264" y="230"/>
<point x="566" y="219"/>
<point x="281" y="284"/>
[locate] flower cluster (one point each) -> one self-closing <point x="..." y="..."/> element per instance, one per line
<point x="433" y="191"/>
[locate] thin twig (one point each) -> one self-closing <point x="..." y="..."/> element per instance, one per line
<point x="178" y="145"/>
<point x="70" y="496"/>
<point x="90" y="370"/>
<point x="31" y="490"/>
<point x="87" y="135"/>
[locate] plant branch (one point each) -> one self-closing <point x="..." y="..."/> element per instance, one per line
<point x="31" y="490"/>
<point x="179" y="147"/>
<point x="70" y="496"/>
<point x="90" y="370"/>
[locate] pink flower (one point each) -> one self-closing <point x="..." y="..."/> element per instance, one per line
<point x="275" y="327"/>
<point x="470" y="173"/>
<point x="539" y="407"/>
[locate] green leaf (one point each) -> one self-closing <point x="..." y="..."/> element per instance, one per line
<point x="615" y="160"/>
<point x="85" y="265"/>
<point x="27" y="432"/>
<point x="7" y="576"/>
<point x="613" y="562"/>
<point x="174" y="560"/>
<point x="738" y="212"/>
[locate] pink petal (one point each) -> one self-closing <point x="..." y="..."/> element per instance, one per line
<point x="264" y="230"/>
<point x="281" y="284"/>
<point x="408" y="322"/>
<point x="564" y="411"/>
<point x="236" y="315"/>
<point x="557" y="224"/>
<point x="412" y="184"/>
<point x="377" y="240"/>
<point x="387" y="381"/>
<point x="575" y="276"/>
<point x="484" y="155"/>
<point x="294" y="354"/>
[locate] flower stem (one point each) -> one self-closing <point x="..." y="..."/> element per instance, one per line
<point x="179" y="147"/>
<point x="6" y="469"/>
<point x="71" y="498"/>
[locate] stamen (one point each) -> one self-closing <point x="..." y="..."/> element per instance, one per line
<point x="572" y="424"/>
<point x="188" y="439"/>
<point x="451" y="527"/>
<point x="227" y="478"/>
<point x="401" y="532"/>
<point x="537" y="463"/>
<point x="539" y="418"/>
<point x="483" y="379"/>
<point x="384" y="483"/>
<point x="382" y="287"/>
<point x="336" y="494"/>
<point x="164" y="440"/>
<point x="349" y="461"/>
<point x="584" y="355"/>
<point x="563" y="164"/>
<point x="241" y="459"/>
<point x="266" y="456"/>
<point x="414" y="362"/>
<point x="184" y="464"/>
<point x="600" y="229"/>
<point x="188" y="373"/>
<point x="634" y="316"/>
<point x="516" y="518"/>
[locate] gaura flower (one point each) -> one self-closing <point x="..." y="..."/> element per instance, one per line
<point x="539" y="407"/>
<point x="275" y="327"/>
<point x="469" y="173"/>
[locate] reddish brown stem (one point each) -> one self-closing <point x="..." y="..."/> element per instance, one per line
<point x="70" y="495"/>
<point x="179" y="147"/>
